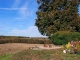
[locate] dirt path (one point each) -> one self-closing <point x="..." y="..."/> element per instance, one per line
<point x="16" y="47"/>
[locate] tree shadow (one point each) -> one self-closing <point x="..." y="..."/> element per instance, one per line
<point x="78" y="53"/>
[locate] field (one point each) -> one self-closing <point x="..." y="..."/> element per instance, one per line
<point x="14" y="47"/>
<point x="21" y="51"/>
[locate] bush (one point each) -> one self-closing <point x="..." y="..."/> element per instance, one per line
<point x="63" y="37"/>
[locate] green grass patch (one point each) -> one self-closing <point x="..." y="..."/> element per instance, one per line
<point x="5" y="57"/>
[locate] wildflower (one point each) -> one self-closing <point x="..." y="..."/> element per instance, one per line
<point x="68" y="46"/>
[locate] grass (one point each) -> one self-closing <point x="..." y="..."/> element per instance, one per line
<point x="41" y="55"/>
<point x="5" y="57"/>
<point x="45" y="55"/>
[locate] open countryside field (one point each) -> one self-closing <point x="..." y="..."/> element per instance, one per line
<point x="21" y="51"/>
<point x="9" y="48"/>
<point x="22" y="48"/>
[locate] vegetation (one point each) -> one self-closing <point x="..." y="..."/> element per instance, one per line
<point x="63" y="37"/>
<point x="57" y="15"/>
<point x="18" y="39"/>
<point x="72" y="47"/>
<point x="5" y="57"/>
<point x="45" y="55"/>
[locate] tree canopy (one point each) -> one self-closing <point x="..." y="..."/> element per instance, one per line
<point x="57" y="15"/>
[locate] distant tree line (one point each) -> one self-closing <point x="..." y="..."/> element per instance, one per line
<point x="20" y="39"/>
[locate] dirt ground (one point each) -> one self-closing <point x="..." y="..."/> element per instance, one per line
<point x="16" y="47"/>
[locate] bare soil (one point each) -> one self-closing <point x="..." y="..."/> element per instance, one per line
<point x="16" y="47"/>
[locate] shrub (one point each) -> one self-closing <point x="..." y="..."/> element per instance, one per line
<point x="63" y="37"/>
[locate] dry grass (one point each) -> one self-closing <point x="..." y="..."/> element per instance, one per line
<point x="16" y="47"/>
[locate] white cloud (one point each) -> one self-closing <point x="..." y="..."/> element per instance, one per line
<point x="25" y="12"/>
<point x="30" y="32"/>
<point x="20" y="18"/>
<point x="13" y="8"/>
<point x="5" y="27"/>
<point x="16" y="4"/>
<point x="22" y="9"/>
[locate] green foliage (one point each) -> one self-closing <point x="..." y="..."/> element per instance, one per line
<point x="57" y="15"/>
<point x="63" y="37"/>
<point x="5" y="57"/>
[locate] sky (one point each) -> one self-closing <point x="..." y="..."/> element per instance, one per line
<point x="17" y="18"/>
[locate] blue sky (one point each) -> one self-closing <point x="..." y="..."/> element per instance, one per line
<point x="17" y="18"/>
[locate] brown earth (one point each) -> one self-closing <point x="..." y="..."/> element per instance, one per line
<point x="16" y="47"/>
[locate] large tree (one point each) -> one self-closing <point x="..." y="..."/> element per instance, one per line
<point x="57" y="15"/>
